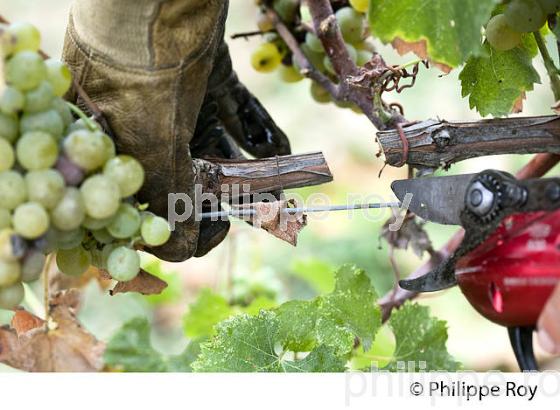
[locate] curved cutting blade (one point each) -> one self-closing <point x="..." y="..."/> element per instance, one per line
<point x="436" y="199"/>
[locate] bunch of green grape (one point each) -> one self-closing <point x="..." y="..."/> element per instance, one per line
<point x="504" y="31"/>
<point x="273" y="54"/>
<point x="63" y="188"/>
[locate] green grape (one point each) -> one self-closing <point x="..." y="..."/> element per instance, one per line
<point x="103" y="236"/>
<point x="314" y="43"/>
<point x="11" y="296"/>
<point x="500" y="36"/>
<point x="123" y="264"/>
<point x="290" y="74"/>
<point x="60" y="106"/>
<point x="319" y="94"/>
<point x="110" y="150"/>
<point x="30" y="220"/>
<point x="86" y="149"/>
<point x="106" y="252"/>
<point x="126" y="172"/>
<point x="45" y="187"/>
<point x="57" y="239"/>
<point x="94" y="224"/>
<point x="9" y="127"/>
<point x="7" y="157"/>
<point x="59" y="76"/>
<point x="70" y="211"/>
<point x="125" y="223"/>
<point x="73" y="262"/>
<point x="155" y="230"/>
<point x="10" y="272"/>
<point x="25" y="70"/>
<point x="363" y="57"/>
<point x="5" y="219"/>
<point x="32" y="266"/>
<point x="12" y="187"/>
<point x="39" y="99"/>
<point x="46" y="121"/>
<point x="524" y="16"/>
<point x="7" y="41"/>
<point x="286" y="9"/>
<point x="266" y="58"/>
<point x="12" y="101"/>
<point x="101" y="196"/>
<point x="549" y="6"/>
<point x="351" y="24"/>
<point x="360" y="5"/>
<point x="316" y="59"/>
<point x="27" y="37"/>
<point x="36" y="150"/>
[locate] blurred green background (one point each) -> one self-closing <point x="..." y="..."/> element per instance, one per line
<point x="250" y="258"/>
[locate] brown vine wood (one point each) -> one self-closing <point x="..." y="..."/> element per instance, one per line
<point x="440" y="143"/>
<point x="266" y="174"/>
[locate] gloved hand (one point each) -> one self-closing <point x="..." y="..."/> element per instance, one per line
<point x="146" y="64"/>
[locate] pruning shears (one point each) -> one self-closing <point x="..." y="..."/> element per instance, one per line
<point x="508" y="263"/>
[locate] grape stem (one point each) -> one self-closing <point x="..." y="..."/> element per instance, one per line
<point x="87" y="121"/>
<point x="326" y="28"/>
<point x="46" y="293"/>
<point x="551" y="69"/>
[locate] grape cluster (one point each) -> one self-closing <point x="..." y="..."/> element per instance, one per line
<point x="504" y="31"/>
<point x="273" y="54"/>
<point x="63" y="188"/>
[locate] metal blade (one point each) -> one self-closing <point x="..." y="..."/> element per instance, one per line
<point x="436" y="199"/>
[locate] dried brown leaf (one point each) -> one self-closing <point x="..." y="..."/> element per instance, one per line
<point x="61" y="346"/>
<point x="420" y="49"/>
<point x="411" y="233"/>
<point x="23" y="322"/>
<point x="145" y="283"/>
<point x="518" y="104"/>
<point x="270" y="217"/>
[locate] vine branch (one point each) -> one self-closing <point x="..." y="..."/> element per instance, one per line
<point x="551" y="69"/>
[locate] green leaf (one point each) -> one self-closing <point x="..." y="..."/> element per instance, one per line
<point x="353" y="305"/>
<point x="322" y="359"/>
<point x="335" y="319"/>
<point x="421" y="339"/>
<point x="496" y="80"/>
<point x="243" y="343"/>
<point x="246" y="343"/>
<point x="130" y="350"/>
<point x="451" y="28"/>
<point x="208" y="310"/>
<point x="258" y="304"/>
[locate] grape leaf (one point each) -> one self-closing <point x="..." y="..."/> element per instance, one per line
<point x="353" y="304"/>
<point x="497" y="80"/>
<point x="130" y="350"/>
<point x="446" y="31"/>
<point x="420" y="339"/>
<point x="243" y="343"/>
<point x="246" y="343"/>
<point x="321" y="359"/>
<point x="208" y="309"/>
<point x="335" y="319"/>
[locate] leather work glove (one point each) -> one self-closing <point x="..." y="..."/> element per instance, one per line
<point x="146" y="64"/>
